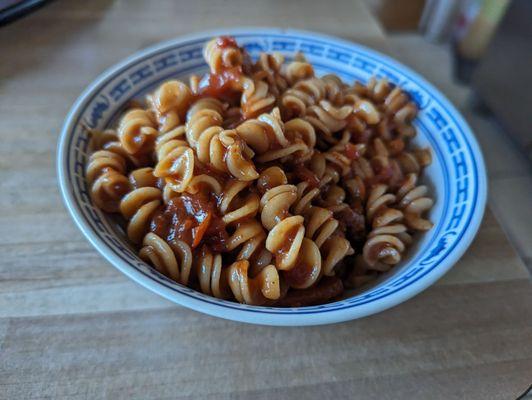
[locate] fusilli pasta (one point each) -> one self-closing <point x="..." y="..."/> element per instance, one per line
<point x="263" y="183"/>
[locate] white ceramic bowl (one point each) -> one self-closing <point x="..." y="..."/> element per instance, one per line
<point x="456" y="177"/>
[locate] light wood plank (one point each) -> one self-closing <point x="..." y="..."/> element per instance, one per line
<point x="441" y="336"/>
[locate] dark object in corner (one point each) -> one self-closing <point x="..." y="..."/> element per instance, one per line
<point x="503" y="77"/>
<point x="17" y="9"/>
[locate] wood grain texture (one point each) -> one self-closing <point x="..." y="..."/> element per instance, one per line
<point x="73" y="327"/>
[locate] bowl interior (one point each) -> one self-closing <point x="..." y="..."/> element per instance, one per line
<point x="455" y="178"/>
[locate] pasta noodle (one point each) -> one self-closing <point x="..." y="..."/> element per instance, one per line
<point x="327" y="118"/>
<point x="137" y="132"/>
<point x="295" y="100"/>
<point x="256" y="290"/>
<point x="268" y="69"/>
<point x="222" y="53"/>
<point x="171" y="258"/>
<point x="298" y="70"/>
<point x="105" y="174"/>
<point x="170" y="103"/>
<point x="263" y="183"/>
<point x="213" y="279"/>
<point x="256" y="98"/>
<point x="138" y="207"/>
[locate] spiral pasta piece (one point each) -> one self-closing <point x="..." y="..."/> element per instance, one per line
<point x="205" y="183"/>
<point x="170" y="103"/>
<point x="362" y="169"/>
<point x="329" y="167"/>
<point x="333" y="198"/>
<point x="320" y="225"/>
<point x="270" y="178"/>
<point x="228" y="152"/>
<point x="249" y="237"/>
<point x="275" y="204"/>
<point x="245" y="231"/>
<point x="334" y="250"/>
<point x="173" y="259"/>
<point x="414" y="162"/>
<point x="137" y="131"/>
<point x="298" y="70"/>
<point x="334" y="89"/>
<point x="411" y="199"/>
<point x="383" y="166"/>
<point x="268" y="68"/>
<point x="323" y="169"/>
<point x="306" y="193"/>
<point x="212" y="277"/>
<point x="205" y="113"/>
<point x="256" y="98"/>
<point x="271" y="139"/>
<point x="176" y="166"/>
<point x="366" y="111"/>
<point x="138" y="208"/>
<point x="307" y="269"/>
<point x="264" y="132"/>
<point x="168" y="141"/>
<point x="327" y="118"/>
<point x="338" y="161"/>
<point x="375" y="89"/>
<point x="223" y="149"/>
<point x="386" y="241"/>
<point x="99" y="138"/>
<point x="255" y="291"/>
<point x="175" y="161"/>
<point x="222" y="53"/>
<point x="108" y="140"/>
<point x="105" y="176"/>
<point x="301" y="137"/>
<point x="393" y="100"/>
<point x="322" y="228"/>
<point x="234" y="206"/>
<point x="286" y="231"/>
<point x="356" y="188"/>
<point x="143" y="177"/>
<point x="296" y="100"/>
<point x="398" y="103"/>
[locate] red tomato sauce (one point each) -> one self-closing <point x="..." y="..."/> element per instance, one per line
<point x="223" y="85"/>
<point x="193" y="219"/>
<point x="307" y="175"/>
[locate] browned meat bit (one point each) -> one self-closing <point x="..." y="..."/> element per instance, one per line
<point x="327" y="289"/>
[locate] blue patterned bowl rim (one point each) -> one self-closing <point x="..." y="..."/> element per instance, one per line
<point x="459" y="173"/>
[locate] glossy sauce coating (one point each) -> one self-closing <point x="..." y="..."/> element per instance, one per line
<point x="290" y="237"/>
<point x="307" y="175"/>
<point x="192" y="219"/>
<point x="223" y="85"/>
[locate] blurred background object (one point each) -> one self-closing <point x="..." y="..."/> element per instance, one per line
<point x="13" y="9"/>
<point x="438" y="18"/>
<point x="397" y="15"/>
<point x="476" y="24"/>
<point x="503" y="77"/>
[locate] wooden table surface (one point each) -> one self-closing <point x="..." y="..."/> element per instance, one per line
<point x="71" y="326"/>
